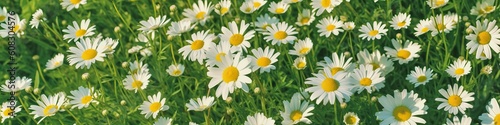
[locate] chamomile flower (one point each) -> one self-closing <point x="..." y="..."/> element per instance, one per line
<point x="136" y="81"/>
<point x="329" y="25"/>
<point x="420" y="76"/>
<point x="175" y="70"/>
<point x="37" y="18"/>
<point x="153" y="24"/>
<point x="456" y="99"/>
<point x="280" y="33"/>
<point x="86" y="53"/>
<point x="400" y="21"/>
<point x="327" y="87"/>
<point x="348" y="26"/>
<point x="55" y="62"/>
<point x="82" y="97"/>
<point x="230" y="74"/>
<point x="403" y="53"/>
<point x="351" y="118"/>
<point x="247" y="7"/>
<point x="19" y="27"/>
<point x="436" y="3"/>
<point x="324" y="5"/>
<point x="163" y="121"/>
<point x="199" y="13"/>
<point x="365" y="78"/>
<point x="223" y="7"/>
<point x="423" y="27"/>
<point x="371" y="33"/>
<point x="16" y="84"/>
<point x="259" y="119"/>
<point x="257" y="3"/>
<point x="237" y="36"/>
<point x="441" y="24"/>
<point x="300" y="63"/>
<point x="3" y="14"/>
<point x="200" y="43"/>
<point x="137" y="67"/>
<point x="459" y="68"/>
<point x="305" y="18"/>
<point x="264" y="21"/>
<point x="377" y="60"/>
<point x="78" y="32"/>
<point x="48" y="106"/>
<point x="482" y="8"/>
<point x="402" y="108"/>
<point x="70" y="4"/>
<point x="492" y="116"/>
<point x="296" y="111"/>
<point x="278" y="8"/>
<point x="9" y="111"/>
<point x="486" y="35"/>
<point x="200" y="104"/>
<point x="337" y="63"/>
<point x="465" y="121"/>
<point x="143" y="50"/>
<point x="302" y="48"/>
<point x="217" y="53"/>
<point x="178" y="28"/>
<point x="110" y="45"/>
<point x="264" y="59"/>
<point x="154" y="105"/>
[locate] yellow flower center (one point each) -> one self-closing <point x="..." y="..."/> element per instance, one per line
<point x="50" y="110"/>
<point x="304" y="51"/>
<point x="86" y="99"/>
<point x="403" y="54"/>
<point x="330" y="27"/>
<point x="248" y="9"/>
<point x="7" y="112"/>
<point x="256" y="4"/>
<point x="488" y="9"/>
<point x="230" y="74"/>
<point x="326" y="3"/>
<point x="263" y="61"/>
<point x="280" y="35"/>
<point x="373" y="33"/>
<point x="136" y="84"/>
<point x="223" y="10"/>
<point x="74" y="2"/>
<point x="365" y="82"/>
<point x="265" y="26"/>
<point x="295" y="1"/>
<point x="329" y="85"/>
<point x="496" y="120"/>
<point x="375" y="65"/>
<point x="421" y="78"/>
<point x="2" y="18"/>
<point x="334" y="70"/>
<point x="305" y="20"/>
<point x="441" y="27"/>
<point x="424" y="30"/>
<point x="197" y="44"/>
<point x="483" y="38"/>
<point x="177" y="72"/>
<point x="350" y="120"/>
<point x="301" y="65"/>
<point x="57" y="63"/>
<point x="454" y="100"/>
<point x="459" y="71"/>
<point x="439" y="2"/>
<point x="236" y="39"/>
<point x="80" y="32"/>
<point x="155" y="106"/>
<point x="401" y="24"/>
<point x="16" y="28"/>
<point x="401" y="113"/>
<point x="296" y="115"/>
<point x="89" y="54"/>
<point x="200" y="15"/>
<point x="280" y="10"/>
<point x="219" y="56"/>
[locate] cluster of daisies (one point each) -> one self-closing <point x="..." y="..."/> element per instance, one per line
<point x="230" y="56"/>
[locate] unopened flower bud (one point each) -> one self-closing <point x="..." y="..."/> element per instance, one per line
<point x="36" y="91"/>
<point x="117" y="29"/>
<point x="465" y="18"/>
<point x="172" y="8"/>
<point x="469" y="30"/>
<point x="467" y="24"/>
<point x="104" y="112"/>
<point x="28" y="89"/>
<point x="229" y="111"/>
<point x="63" y="22"/>
<point x="461" y="58"/>
<point x="347" y="54"/>
<point x="124" y="64"/>
<point x="170" y="38"/>
<point x="123" y="102"/>
<point x="229" y="100"/>
<point x="256" y="90"/>
<point x="487" y="69"/>
<point x="343" y="18"/>
<point x="116" y="114"/>
<point x="399" y="36"/>
<point x="374" y="99"/>
<point x="237" y="19"/>
<point x="36" y="57"/>
<point x="85" y="76"/>
<point x="343" y="105"/>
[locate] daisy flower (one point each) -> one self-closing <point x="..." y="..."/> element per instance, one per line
<point x="492" y="116"/>
<point x="482" y="8"/>
<point x="423" y="27"/>
<point x="3" y="14"/>
<point x="18" y="29"/>
<point x="441" y="24"/>
<point x="200" y="43"/>
<point x="337" y="63"/>
<point x="153" y="106"/>
<point x="264" y="59"/>
<point x="305" y="18"/>
<point x="70" y="4"/>
<point x="259" y="119"/>
<point x="136" y="81"/>
<point x="237" y="36"/>
<point x="110" y="45"/>
<point x="175" y="69"/>
<point x="231" y="73"/>
<point x="300" y="63"/>
<point x="264" y="21"/>
<point x="199" y="13"/>
<point x="200" y="104"/>
<point x="436" y="3"/>
<point x="257" y="3"/>
<point x="456" y="99"/>
<point x="459" y="68"/>
<point x="327" y="87"/>
<point x="223" y="7"/>
<point x="137" y="67"/>
<point x="153" y="24"/>
<point x="145" y="48"/>
<point x="400" y="21"/>
<point x="348" y="26"/>
<point x="329" y="25"/>
<point x="302" y="48"/>
<point x="465" y="121"/>
<point x="82" y="97"/>
<point x="278" y="8"/>
<point x="324" y="5"/>
<point x="403" y="53"/>
<point x="9" y="111"/>
<point x="486" y="35"/>
<point x="351" y="118"/>
<point x="377" y="60"/>
<point x="296" y="111"/>
<point x="48" y="106"/>
<point x="365" y="78"/>
<point x="247" y="7"/>
<point x="17" y="84"/>
<point x="86" y="53"/>
<point x="402" y="108"/>
<point x="217" y="53"/>
<point x="280" y="33"/>
<point x="78" y="32"/>
<point x="37" y="18"/>
<point x="178" y="28"/>
<point x="420" y="76"/>
<point x="371" y="33"/>
<point x="163" y="121"/>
